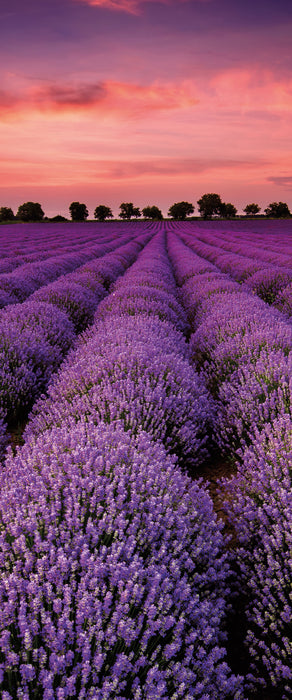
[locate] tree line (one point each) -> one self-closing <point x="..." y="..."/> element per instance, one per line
<point x="209" y="205"/>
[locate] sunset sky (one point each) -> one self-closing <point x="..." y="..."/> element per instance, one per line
<point x="105" y="101"/>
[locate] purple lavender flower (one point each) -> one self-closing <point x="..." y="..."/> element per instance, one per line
<point x="157" y="392"/>
<point x="268" y="282"/>
<point x="283" y="300"/>
<point x="3" y="435"/>
<point x="142" y="383"/>
<point x="78" y="303"/>
<point x="253" y="396"/>
<point x="259" y="507"/>
<point x="41" y="318"/>
<point x="114" y="576"/>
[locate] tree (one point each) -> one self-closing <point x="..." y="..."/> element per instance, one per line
<point x="102" y="212"/>
<point x="58" y="219"/>
<point x="278" y="210"/>
<point x="128" y="210"/>
<point x="228" y="210"/>
<point x="180" y="210"/>
<point x="210" y="205"/>
<point x="30" y="211"/>
<point x="79" y="212"/>
<point x="6" y="214"/>
<point x="152" y="213"/>
<point x="252" y="209"/>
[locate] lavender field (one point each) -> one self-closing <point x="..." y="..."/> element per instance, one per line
<point x="133" y="354"/>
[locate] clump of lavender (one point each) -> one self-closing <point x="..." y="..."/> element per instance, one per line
<point x="113" y="573"/>
<point x="16" y="286"/>
<point x="142" y="385"/>
<point x="33" y="340"/>
<point x="44" y="320"/>
<point x="225" y="315"/>
<point x="79" y="303"/>
<point x="284" y="300"/>
<point x="6" y="298"/>
<point x="197" y="291"/>
<point x="132" y="330"/>
<point x="253" y="396"/>
<point x="26" y="363"/>
<point x="268" y="282"/>
<point x="259" y="507"/>
<point x="3" y="435"/>
<point x="140" y="300"/>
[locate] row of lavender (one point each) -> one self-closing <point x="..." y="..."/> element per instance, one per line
<point x="22" y="274"/>
<point x="34" y="244"/>
<point x="36" y="334"/>
<point x="115" y="576"/>
<point x="263" y="268"/>
<point x="36" y="241"/>
<point x="243" y="349"/>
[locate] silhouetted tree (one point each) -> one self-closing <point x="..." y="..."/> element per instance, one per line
<point x="252" y="209"/>
<point x="128" y="210"/>
<point x="102" y="212"/>
<point x="79" y="212"/>
<point x="210" y="205"/>
<point x="58" y="218"/>
<point x="30" y="211"/>
<point x="180" y="210"/>
<point x="228" y="210"/>
<point x="6" y="214"/>
<point x="152" y="213"/>
<point x="278" y="210"/>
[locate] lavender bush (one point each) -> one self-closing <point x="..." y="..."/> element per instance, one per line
<point x="42" y="319"/>
<point x="283" y="300"/>
<point x="253" y="396"/>
<point x="16" y="287"/>
<point x="144" y="302"/>
<point x="26" y="363"/>
<point x="114" y="576"/>
<point x="139" y="386"/>
<point x="34" y="338"/>
<point x="6" y="298"/>
<point x="77" y="302"/>
<point x="268" y="282"/>
<point x="259" y="507"/>
<point x="133" y="330"/>
<point x="3" y="435"/>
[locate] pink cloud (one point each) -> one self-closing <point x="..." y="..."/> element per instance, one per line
<point x="251" y="89"/>
<point x="131" y="6"/>
<point x="73" y="170"/>
<point x="108" y="97"/>
<point x="281" y="180"/>
<point x="166" y="167"/>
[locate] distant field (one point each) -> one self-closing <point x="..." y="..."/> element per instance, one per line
<point x="142" y="366"/>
